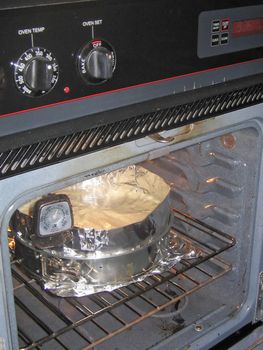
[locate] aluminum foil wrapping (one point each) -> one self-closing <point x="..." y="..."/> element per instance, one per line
<point x="170" y="250"/>
<point x="121" y="234"/>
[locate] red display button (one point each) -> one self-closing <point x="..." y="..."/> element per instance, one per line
<point x="225" y="24"/>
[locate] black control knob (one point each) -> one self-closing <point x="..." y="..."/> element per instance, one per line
<point x="38" y="75"/>
<point x="96" y="62"/>
<point x="99" y="64"/>
<point x="36" y="72"/>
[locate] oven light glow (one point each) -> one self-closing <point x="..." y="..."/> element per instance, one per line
<point x="11" y="243"/>
<point x="211" y="180"/>
<point x="208" y="206"/>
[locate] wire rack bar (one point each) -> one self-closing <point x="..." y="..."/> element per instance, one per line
<point x="141" y="299"/>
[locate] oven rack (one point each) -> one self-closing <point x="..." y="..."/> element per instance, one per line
<point x="49" y="322"/>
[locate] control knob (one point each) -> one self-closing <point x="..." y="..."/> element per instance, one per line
<point x="96" y="62"/>
<point x="36" y="72"/>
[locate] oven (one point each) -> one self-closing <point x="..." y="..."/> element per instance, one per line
<point x="89" y="88"/>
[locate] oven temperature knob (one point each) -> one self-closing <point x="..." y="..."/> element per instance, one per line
<point x="36" y="72"/>
<point x="96" y="62"/>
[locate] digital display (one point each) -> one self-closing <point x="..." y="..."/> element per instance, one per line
<point x="247" y="27"/>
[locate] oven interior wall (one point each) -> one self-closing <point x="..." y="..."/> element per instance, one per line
<point x="214" y="181"/>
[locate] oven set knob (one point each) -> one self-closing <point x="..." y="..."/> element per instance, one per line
<point x="99" y="64"/>
<point x="36" y="72"/>
<point x="96" y="62"/>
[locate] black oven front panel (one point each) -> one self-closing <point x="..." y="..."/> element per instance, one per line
<point x="58" y="53"/>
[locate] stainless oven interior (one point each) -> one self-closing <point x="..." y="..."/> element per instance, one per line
<point x="89" y="87"/>
<point x="214" y="172"/>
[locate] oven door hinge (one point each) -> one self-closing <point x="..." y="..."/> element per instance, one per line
<point x="259" y="309"/>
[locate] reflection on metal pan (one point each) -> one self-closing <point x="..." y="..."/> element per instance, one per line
<point x="97" y="253"/>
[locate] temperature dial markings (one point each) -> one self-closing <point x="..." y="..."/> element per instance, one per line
<point x="54" y="218"/>
<point x="36" y="72"/>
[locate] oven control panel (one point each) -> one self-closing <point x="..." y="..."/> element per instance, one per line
<point x="225" y="31"/>
<point x="55" y="54"/>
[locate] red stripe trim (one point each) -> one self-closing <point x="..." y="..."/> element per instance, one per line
<point x="129" y="87"/>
